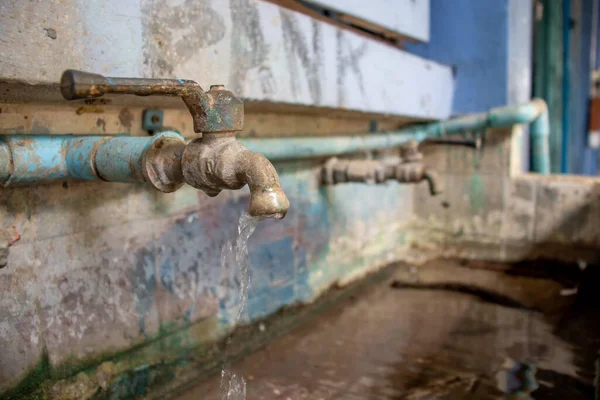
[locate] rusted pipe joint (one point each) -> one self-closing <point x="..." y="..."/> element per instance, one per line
<point x="162" y="164"/>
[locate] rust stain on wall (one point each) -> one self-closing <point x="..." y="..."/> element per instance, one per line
<point x="89" y="110"/>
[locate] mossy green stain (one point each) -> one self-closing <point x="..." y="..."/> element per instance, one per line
<point x="31" y="383"/>
<point x="171" y="345"/>
<point x="476" y="188"/>
<point x="476" y="193"/>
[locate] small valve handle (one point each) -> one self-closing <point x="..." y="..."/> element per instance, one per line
<point x="217" y="110"/>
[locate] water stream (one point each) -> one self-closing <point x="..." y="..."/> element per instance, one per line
<point x="233" y="386"/>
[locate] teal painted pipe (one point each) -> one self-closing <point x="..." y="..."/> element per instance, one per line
<point x="26" y="159"/>
<point x="295" y="148"/>
<point x="30" y="158"/>
<point x="540" y="142"/>
<point x="534" y="112"/>
<point x="116" y="159"/>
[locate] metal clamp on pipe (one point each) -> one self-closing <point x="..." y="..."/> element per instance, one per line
<point x="213" y="162"/>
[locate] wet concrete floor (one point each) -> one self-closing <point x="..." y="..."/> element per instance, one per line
<point x="446" y="330"/>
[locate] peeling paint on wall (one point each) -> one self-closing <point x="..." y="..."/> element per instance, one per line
<point x="91" y="279"/>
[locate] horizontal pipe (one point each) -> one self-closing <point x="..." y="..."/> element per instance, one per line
<point x="31" y="158"/>
<point x="26" y="159"/>
<point x="113" y="159"/>
<point x="295" y="148"/>
<point x="534" y="112"/>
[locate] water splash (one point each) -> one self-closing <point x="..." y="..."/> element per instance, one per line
<point x="233" y="387"/>
<point x="246" y="227"/>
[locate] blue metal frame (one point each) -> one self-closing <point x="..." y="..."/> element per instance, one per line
<point x="566" y="85"/>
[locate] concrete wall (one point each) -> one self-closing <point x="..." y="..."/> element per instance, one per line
<point x="126" y="276"/>
<point x="493" y="212"/>
<point x="127" y="285"/>
<point x="260" y="51"/>
<point x="119" y="273"/>
<point x="113" y="288"/>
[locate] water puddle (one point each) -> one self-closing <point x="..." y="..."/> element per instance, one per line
<point x="233" y="386"/>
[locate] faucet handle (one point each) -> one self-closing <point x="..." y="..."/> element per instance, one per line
<point x="76" y="85"/>
<point x="217" y="110"/>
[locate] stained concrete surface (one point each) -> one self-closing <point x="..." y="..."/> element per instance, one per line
<point x="414" y="337"/>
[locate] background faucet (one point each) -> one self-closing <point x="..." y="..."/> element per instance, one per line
<point x="410" y="169"/>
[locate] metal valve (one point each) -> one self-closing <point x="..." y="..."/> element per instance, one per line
<point x="410" y="169"/>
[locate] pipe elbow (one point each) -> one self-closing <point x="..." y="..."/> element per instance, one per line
<point x="540" y="105"/>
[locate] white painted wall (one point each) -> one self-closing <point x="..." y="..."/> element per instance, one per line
<point x="257" y="49"/>
<point x="406" y="17"/>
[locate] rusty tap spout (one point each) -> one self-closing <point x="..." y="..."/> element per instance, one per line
<point x="434" y="182"/>
<point x="218" y="161"/>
